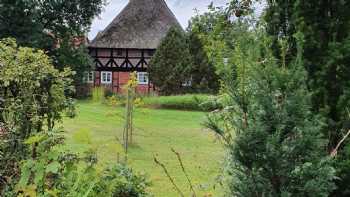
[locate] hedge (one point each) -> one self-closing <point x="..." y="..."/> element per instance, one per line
<point x="193" y="102"/>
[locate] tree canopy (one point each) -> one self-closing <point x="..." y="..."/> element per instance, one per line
<point x="170" y="67"/>
<point x="204" y="78"/>
<point x="33" y="99"/>
<point x="326" y="29"/>
<point x="51" y="25"/>
<point x="323" y="69"/>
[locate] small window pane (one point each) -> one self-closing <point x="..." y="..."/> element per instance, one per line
<point x="142" y="78"/>
<point x="106" y="77"/>
<point x="91" y="77"/>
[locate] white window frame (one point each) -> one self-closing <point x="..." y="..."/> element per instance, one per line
<point x="188" y="83"/>
<point x="142" y="74"/>
<point x="88" y="75"/>
<point x="106" y="80"/>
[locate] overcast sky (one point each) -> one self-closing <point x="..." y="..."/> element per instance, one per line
<point x="183" y="10"/>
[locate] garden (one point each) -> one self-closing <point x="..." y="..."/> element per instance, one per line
<point x="157" y="131"/>
<point x="251" y="100"/>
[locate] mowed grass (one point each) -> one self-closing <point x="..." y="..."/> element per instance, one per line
<point x="156" y="132"/>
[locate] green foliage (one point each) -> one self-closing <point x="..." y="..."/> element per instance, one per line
<point x="51" y="25"/>
<point x="274" y="141"/>
<point x="170" y="66"/>
<point x="342" y="164"/>
<point x="121" y="181"/>
<point x="219" y="36"/>
<point x="326" y="56"/>
<point x="32" y="94"/>
<point x="74" y="57"/>
<point x="203" y="73"/>
<point x="215" y="31"/>
<point x="55" y="172"/>
<point x="98" y="94"/>
<point x="195" y="102"/>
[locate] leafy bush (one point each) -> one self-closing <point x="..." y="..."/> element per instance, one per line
<point x="54" y="172"/>
<point x="121" y="181"/>
<point x="33" y="98"/>
<point x="196" y="102"/>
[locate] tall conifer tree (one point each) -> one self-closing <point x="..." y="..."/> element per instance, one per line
<point x="274" y="140"/>
<point x="326" y="28"/>
<point x="170" y="67"/>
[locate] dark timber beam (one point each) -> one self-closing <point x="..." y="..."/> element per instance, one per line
<point x="126" y="66"/>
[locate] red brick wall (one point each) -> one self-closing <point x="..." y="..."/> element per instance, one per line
<point x="123" y="78"/>
<point x="120" y="79"/>
<point x="116" y="87"/>
<point x="97" y="78"/>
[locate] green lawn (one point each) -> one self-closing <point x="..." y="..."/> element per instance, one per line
<point x="157" y="131"/>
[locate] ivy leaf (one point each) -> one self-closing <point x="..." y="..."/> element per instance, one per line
<point x="53" y="167"/>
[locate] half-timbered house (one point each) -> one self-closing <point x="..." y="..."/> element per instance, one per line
<point x="128" y="44"/>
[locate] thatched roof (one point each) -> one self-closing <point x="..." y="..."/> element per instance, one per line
<point x="142" y="24"/>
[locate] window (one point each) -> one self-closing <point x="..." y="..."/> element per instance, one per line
<point x="142" y="78"/>
<point x="90" y="77"/>
<point x="187" y="83"/>
<point x="106" y="77"/>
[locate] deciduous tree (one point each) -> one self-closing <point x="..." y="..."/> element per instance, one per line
<point x="33" y="99"/>
<point x="51" y="25"/>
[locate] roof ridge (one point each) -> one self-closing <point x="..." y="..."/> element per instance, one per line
<point x="129" y="30"/>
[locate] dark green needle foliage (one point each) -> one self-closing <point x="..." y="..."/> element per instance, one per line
<point x="170" y="67"/>
<point x="203" y="72"/>
<point x="275" y="142"/>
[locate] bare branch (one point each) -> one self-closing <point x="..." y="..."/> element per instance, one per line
<point x="168" y="175"/>
<point x="335" y="151"/>
<point x="184" y="171"/>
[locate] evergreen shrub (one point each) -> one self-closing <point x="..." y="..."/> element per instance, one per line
<point x="275" y="143"/>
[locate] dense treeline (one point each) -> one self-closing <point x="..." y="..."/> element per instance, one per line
<point x="57" y="27"/>
<point x="181" y="65"/>
<point x="292" y="42"/>
<point x="326" y="58"/>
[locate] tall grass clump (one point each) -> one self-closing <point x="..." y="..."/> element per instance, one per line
<point x="98" y="94"/>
